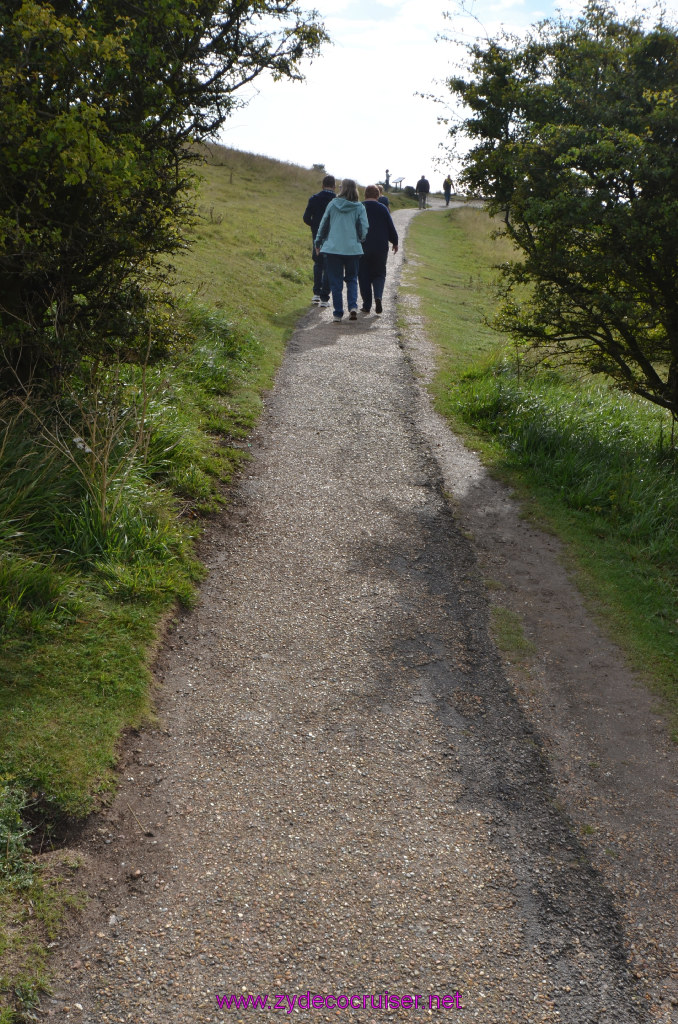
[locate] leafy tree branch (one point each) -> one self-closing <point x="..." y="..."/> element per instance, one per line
<point x="101" y="103"/>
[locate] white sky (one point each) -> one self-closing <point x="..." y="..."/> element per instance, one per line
<point x="357" y="112"/>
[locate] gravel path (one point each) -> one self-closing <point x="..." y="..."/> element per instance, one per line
<point x="343" y="795"/>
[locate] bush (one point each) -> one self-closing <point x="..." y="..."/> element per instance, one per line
<point x="98" y="109"/>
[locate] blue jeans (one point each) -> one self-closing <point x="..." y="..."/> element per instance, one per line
<point x="340" y="269"/>
<point x="321" y="285"/>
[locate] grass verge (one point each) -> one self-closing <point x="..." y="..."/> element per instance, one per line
<point x="597" y="466"/>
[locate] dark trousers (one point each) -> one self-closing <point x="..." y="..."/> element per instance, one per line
<point x="321" y="283"/>
<point x="372" y="276"/>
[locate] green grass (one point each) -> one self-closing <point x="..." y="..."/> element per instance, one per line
<point x="594" y="465"/>
<point x="253" y="250"/>
<point x="102" y="496"/>
<point x="34" y="901"/>
<point x="450" y="259"/>
<point x="507" y="630"/>
<point x="400" y="201"/>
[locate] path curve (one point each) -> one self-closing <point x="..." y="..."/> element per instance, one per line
<point x="344" y="795"/>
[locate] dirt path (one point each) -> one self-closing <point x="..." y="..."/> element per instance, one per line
<point x="344" y="795"/>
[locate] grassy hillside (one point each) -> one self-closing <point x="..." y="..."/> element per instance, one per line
<point x="250" y="241"/>
<point x="597" y="466"/>
<point x="250" y="244"/>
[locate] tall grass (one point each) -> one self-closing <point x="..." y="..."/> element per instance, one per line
<point x="102" y="494"/>
<point x="598" y="465"/>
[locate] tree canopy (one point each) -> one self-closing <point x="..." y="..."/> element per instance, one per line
<point x="575" y="135"/>
<point x="100" y="101"/>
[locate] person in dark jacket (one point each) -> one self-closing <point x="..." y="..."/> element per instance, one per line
<point x="372" y="268"/>
<point x="383" y="198"/>
<point x="313" y="214"/>
<point x="423" y="188"/>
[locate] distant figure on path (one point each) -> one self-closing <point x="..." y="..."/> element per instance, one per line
<point x="447" y="189"/>
<point x="383" y="199"/>
<point x="313" y="214"/>
<point x="339" y="238"/>
<point x="372" y="269"/>
<point x="423" y="188"/>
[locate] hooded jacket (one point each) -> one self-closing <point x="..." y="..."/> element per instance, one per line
<point x="342" y="229"/>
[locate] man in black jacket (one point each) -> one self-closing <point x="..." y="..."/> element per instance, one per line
<point x="423" y="189"/>
<point x="372" y="268"/>
<point x="313" y="214"/>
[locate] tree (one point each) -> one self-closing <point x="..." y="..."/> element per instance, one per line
<point x="575" y="134"/>
<point x="100" y="103"/>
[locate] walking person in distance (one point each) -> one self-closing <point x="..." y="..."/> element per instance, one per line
<point x="313" y="214"/>
<point x="447" y="189"/>
<point x="423" y="188"/>
<point x="339" y="238"/>
<point x="372" y="269"/>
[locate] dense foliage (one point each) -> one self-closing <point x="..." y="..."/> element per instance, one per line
<point x="100" y="102"/>
<point x="575" y="133"/>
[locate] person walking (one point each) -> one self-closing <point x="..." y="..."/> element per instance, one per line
<point x="372" y="268"/>
<point x="339" y="238"/>
<point x="383" y="198"/>
<point x="423" y="188"/>
<point x="313" y="214"/>
<point x="447" y="189"/>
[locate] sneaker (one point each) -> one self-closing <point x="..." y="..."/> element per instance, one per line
<point x="353" y="314"/>
<point x="365" y="309"/>
<point x="324" y="303"/>
<point x="315" y="300"/>
<point x="337" y="319"/>
<point x="377" y="305"/>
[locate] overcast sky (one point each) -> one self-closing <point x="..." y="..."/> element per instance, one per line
<point x="357" y="112"/>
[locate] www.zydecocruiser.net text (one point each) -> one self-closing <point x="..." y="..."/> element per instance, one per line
<point x="358" y="1001"/>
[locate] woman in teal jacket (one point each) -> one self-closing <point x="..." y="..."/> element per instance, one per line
<point x="340" y="234"/>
